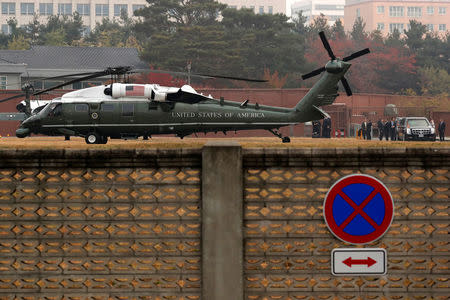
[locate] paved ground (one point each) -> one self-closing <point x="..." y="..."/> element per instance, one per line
<point x="172" y="142"/>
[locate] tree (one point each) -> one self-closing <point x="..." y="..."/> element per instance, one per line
<point x="358" y="33"/>
<point x="70" y="28"/>
<point x="319" y="24"/>
<point x="299" y="24"/>
<point x="337" y="30"/>
<point x="414" y="36"/>
<point x="56" y="38"/>
<point x="165" y="16"/>
<point x="19" y="43"/>
<point x="394" y="39"/>
<point x="434" y="81"/>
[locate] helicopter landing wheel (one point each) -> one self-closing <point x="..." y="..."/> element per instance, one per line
<point x="92" y="138"/>
<point x="286" y="139"/>
<point x="103" y="139"/>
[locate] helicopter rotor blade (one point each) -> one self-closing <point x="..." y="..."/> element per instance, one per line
<point x="357" y="54"/>
<point x="11" y="98"/>
<point x="327" y="45"/>
<point x="207" y="76"/>
<point x="347" y="88"/>
<point x="232" y="78"/>
<point x="313" y="73"/>
<point x="108" y="71"/>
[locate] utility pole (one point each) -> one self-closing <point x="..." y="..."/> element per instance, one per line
<point x="189" y="66"/>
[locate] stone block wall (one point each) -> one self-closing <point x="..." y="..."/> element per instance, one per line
<point x="143" y="224"/>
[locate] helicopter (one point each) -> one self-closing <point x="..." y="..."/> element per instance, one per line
<point x="129" y="111"/>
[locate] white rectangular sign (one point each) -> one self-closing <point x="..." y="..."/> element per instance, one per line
<point x="358" y="261"/>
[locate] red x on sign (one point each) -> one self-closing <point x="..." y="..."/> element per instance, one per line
<point x="358" y="209"/>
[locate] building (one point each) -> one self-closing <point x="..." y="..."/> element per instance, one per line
<point x="388" y="15"/>
<point x="91" y="11"/>
<point x="259" y="6"/>
<point x="39" y="62"/>
<point x="331" y="9"/>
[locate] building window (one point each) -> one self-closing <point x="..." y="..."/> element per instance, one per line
<point x="65" y="8"/>
<point x="414" y="11"/>
<point x="137" y="6"/>
<point x="45" y="9"/>
<point x="261" y="10"/>
<point x="270" y="10"/>
<point x="430" y="10"/>
<point x="442" y="27"/>
<point x="441" y="10"/>
<point x="395" y="11"/>
<point x="6" y="29"/>
<point x="3" y="82"/>
<point x="118" y="8"/>
<point x="358" y="13"/>
<point x="396" y="26"/>
<point x="380" y="26"/>
<point x="380" y="9"/>
<point x="84" y="9"/>
<point x="430" y="27"/>
<point x="252" y="7"/>
<point x="26" y="8"/>
<point x="102" y="10"/>
<point x="8" y="8"/>
<point x="233" y="6"/>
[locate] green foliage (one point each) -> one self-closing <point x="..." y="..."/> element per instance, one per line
<point x="56" y="37"/>
<point x="358" y="33"/>
<point x="414" y="36"/>
<point x="434" y="81"/>
<point x="19" y="42"/>
<point x="223" y="41"/>
<point x="337" y="30"/>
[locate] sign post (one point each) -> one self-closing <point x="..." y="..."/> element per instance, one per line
<point x="358" y="209"/>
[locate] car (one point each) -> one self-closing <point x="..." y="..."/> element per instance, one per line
<point x="415" y="128"/>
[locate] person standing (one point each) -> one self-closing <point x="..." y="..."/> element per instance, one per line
<point x="380" y="126"/>
<point x="387" y="130"/>
<point x="369" y="130"/>
<point x="364" y="129"/>
<point x="316" y="129"/>
<point x="441" y="129"/>
<point x="392" y="129"/>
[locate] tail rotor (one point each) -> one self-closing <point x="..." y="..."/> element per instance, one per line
<point x="335" y="59"/>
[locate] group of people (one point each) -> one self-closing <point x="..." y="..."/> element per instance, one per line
<point x="387" y="129"/>
<point x="326" y="128"/>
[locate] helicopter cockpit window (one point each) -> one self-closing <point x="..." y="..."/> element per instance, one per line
<point x="81" y="107"/>
<point x="55" y="110"/>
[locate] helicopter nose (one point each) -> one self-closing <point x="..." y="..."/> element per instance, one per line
<point x="22" y="132"/>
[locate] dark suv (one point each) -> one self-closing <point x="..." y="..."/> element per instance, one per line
<point x="415" y="128"/>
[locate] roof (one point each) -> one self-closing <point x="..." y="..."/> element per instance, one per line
<point x="74" y="58"/>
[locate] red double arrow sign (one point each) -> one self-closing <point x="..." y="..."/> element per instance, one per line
<point x="350" y="262"/>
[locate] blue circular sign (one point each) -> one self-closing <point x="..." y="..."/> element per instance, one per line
<point x="358" y="209"/>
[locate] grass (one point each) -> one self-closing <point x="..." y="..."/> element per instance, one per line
<point x="172" y="142"/>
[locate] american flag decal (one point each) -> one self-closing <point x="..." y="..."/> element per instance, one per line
<point x="134" y="90"/>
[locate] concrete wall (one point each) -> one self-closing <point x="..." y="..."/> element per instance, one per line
<point x="143" y="224"/>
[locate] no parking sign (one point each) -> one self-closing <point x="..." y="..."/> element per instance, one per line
<point x="358" y="209"/>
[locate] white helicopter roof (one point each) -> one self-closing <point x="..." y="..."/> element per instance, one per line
<point x="96" y="93"/>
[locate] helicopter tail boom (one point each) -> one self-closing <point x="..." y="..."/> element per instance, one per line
<point x="324" y="92"/>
